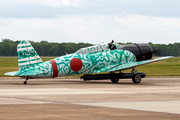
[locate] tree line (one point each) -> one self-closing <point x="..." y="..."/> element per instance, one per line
<point x="44" y="48"/>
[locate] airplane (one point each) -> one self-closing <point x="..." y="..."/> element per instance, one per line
<point x="98" y="62"/>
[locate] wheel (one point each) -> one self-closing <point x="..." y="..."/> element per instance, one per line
<point x="25" y="82"/>
<point x="136" y="78"/>
<point x="114" y="80"/>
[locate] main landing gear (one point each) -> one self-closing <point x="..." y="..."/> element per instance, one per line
<point x="25" y="82"/>
<point x="136" y="77"/>
<point x="114" y="77"/>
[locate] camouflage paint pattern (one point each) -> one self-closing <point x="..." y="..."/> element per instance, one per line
<point x="91" y="63"/>
<point x="94" y="59"/>
<point x="27" y="56"/>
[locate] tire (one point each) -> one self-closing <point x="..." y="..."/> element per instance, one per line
<point x="25" y="82"/>
<point x="136" y="78"/>
<point x="114" y="80"/>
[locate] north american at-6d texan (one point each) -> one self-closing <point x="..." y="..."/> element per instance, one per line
<point x="102" y="61"/>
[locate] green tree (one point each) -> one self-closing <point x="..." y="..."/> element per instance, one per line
<point x="44" y="48"/>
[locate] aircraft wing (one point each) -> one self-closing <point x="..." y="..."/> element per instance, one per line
<point x="130" y="65"/>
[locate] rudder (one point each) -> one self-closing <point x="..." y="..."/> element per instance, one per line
<point x="27" y="56"/>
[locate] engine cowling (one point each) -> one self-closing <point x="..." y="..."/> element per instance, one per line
<point x="142" y="51"/>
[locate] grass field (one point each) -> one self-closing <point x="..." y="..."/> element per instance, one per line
<point x="169" y="67"/>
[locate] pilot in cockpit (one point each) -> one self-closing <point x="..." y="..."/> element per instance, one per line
<point x="111" y="45"/>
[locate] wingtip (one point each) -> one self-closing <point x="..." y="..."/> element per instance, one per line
<point x="170" y="56"/>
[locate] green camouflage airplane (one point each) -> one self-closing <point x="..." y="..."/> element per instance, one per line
<point x="102" y="61"/>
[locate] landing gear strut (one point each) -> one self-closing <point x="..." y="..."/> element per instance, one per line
<point x="25" y="82"/>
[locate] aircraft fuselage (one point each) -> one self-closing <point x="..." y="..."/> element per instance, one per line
<point x="75" y="64"/>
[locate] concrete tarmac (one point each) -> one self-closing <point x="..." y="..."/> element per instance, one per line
<point x="74" y="99"/>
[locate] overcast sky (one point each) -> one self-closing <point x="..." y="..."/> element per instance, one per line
<point x="92" y="21"/>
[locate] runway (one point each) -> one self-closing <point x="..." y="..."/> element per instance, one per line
<point x="74" y="99"/>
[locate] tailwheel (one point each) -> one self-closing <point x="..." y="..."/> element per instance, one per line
<point x="136" y="78"/>
<point x="25" y="82"/>
<point x="113" y="80"/>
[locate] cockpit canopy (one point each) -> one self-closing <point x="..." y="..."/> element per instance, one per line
<point x="96" y="48"/>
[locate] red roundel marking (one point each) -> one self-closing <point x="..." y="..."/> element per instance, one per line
<point x="76" y="64"/>
<point x="55" y="68"/>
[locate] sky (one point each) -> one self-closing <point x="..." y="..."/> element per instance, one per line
<point x="91" y="21"/>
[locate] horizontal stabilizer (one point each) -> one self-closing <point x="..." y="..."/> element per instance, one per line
<point x="12" y="73"/>
<point x="135" y="64"/>
<point x="25" y="74"/>
<point x="30" y="73"/>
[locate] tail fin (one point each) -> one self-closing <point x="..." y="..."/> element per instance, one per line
<point x="27" y="56"/>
